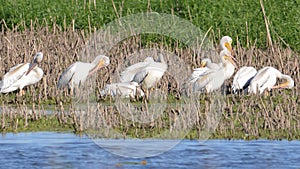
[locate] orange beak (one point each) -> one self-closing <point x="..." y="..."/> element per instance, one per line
<point x="232" y="60"/>
<point x="101" y="64"/>
<point x="203" y="64"/>
<point x="229" y="47"/>
<point x="283" y="85"/>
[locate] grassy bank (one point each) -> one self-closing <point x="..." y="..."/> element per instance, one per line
<point x="244" y="21"/>
<point x="242" y="117"/>
<point x="61" y="29"/>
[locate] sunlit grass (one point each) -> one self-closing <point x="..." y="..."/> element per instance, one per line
<point x="243" y="20"/>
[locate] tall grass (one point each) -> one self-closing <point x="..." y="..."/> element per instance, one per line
<point x="243" y="20"/>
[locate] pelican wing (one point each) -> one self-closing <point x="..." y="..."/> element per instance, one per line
<point x="67" y="76"/>
<point x="140" y="76"/>
<point x="202" y="81"/>
<point x="243" y="77"/>
<point x="260" y="80"/>
<point x="130" y="72"/>
<point x="197" y="73"/>
<point x="15" y="67"/>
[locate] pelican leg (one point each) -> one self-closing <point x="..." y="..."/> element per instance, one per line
<point x="21" y="92"/>
<point x="266" y="93"/>
<point x="146" y="93"/>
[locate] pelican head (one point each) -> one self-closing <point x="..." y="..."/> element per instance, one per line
<point x="226" y="56"/>
<point x="161" y="58"/>
<point x="37" y="59"/>
<point x="288" y="84"/>
<point x="99" y="62"/>
<point x="204" y="62"/>
<point x="149" y="59"/>
<point x="226" y="43"/>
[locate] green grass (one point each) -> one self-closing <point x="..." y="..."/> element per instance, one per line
<point x="226" y="17"/>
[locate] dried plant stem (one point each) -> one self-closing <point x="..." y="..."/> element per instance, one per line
<point x="269" y="39"/>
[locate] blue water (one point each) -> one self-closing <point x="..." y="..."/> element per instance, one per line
<point x="66" y="150"/>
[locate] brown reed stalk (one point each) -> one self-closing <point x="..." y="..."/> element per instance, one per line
<point x="269" y="39"/>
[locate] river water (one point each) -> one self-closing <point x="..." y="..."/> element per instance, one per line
<point x="66" y="150"/>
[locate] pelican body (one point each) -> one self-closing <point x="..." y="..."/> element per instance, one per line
<point x="146" y="73"/>
<point x="123" y="89"/>
<point x="266" y="79"/>
<point x="212" y="78"/>
<point x="242" y="78"/>
<point x="22" y="75"/>
<point x="76" y="74"/>
<point x="206" y="65"/>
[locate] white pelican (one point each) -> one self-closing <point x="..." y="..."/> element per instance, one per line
<point x="225" y="43"/>
<point x="242" y="78"/>
<point x="123" y="89"/>
<point x="22" y="75"/>
<point x="128" y="74"/>
<point x="146" y="73"/>
<point x="266" y="79"/>
<point x="212" y="79"/>
<point x="76" y="74"/>
<point x="206" y="64"/>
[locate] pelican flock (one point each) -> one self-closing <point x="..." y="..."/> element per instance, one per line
<point x="142" y="74"/>
<point x="211" y="76"/>
<point x="22" y="75"/>
<point x="76" y="74"/>
<point x="145" y="75"/>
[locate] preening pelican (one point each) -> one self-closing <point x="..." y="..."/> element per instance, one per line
<point x="213" y="78"/>
<point x="243" y="77"/>
<point x="266" y="79"/>
<point x="206" y="64"/>
<point x="123" y="89"/>
<point x="22" y="75"/>
<point x="146" y="73"/>
<point x="77" y="73"/>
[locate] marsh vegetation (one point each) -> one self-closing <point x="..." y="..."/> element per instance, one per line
<point x="62" y="34"/>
